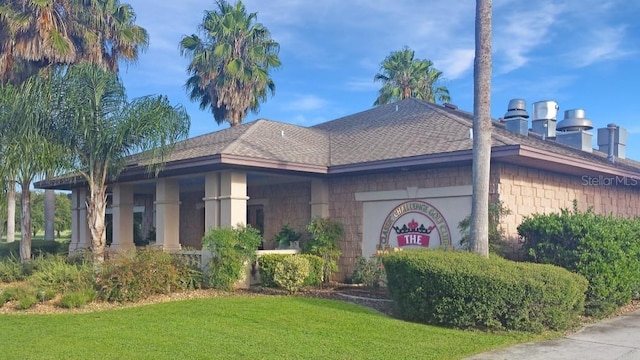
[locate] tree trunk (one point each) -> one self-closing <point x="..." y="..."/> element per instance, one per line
<point x="479" y="229"/>
<point x="49" y="214"/>
<point x="96" y="208"/>
<point x="25" y="222"/>
<point x="11" y="212"/>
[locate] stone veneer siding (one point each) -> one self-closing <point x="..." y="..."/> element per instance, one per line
<point x="344" y="207"/>
<point x="191" y="219"/>
<point x="525" y="191"/>
<point x="287" y="203"/>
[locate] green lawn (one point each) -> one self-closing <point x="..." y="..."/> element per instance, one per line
<point x="238" y="327"/>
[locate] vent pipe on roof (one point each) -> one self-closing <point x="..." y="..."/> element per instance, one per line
<point x="515" y="119"/>
<point x="544" y="118"/>
<point x="573" y="130"/>
<point x="613" y="141"/>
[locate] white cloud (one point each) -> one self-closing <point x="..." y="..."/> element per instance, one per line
<point x="519" y="31"/>
<point x="604" y="44"/>
<point x="456" y="63"/>
<point x="305" y="103"/>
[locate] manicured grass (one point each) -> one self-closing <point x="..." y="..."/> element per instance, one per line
<point x="238" y="327"/>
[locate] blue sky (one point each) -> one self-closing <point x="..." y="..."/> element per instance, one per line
<point x="580" y="53"/>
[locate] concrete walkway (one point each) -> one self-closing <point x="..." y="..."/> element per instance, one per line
<point x="616" y="338"/>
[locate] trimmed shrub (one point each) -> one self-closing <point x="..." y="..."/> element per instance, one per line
<point x="76" y="299"/>
<point x="291" y="272"/>
<point x="267" y="264"/>
<point x="606" y="250"/>
<point x="464" y="290"/>
<point x="232" y="248"/>
<point x="316" y="264"/>
<point x="147" y="272"/>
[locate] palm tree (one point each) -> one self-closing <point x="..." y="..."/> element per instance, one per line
<point x="114" y="35"/>
<point x="479" y="229"/>
<point x="39" y="34"/>
<point x="405" y="77"/>
<point x="230" y="64"/>
<point x="99" y="128"/>
<point x="28" y="152"/>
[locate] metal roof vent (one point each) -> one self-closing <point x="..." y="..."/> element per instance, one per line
<point x="516" y="107"/>
<point x="515" y="120"/>
<point x="573" y="130"/>
<point x="544" y="118"/>
<point x="545" y="110"/>
<point x="574" y="120"/>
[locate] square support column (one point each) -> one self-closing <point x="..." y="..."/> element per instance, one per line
<point x="233" y="198"/>
<point x="80" y="235"/>
<point x="211" y="201"/>
<point x="168" y="214"/>
<point x="319" y="198"/>
<point x="122" y="206"/>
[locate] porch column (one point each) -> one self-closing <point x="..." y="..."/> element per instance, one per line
<point x="80" y="236"/>
<point x="211" y="201"/>
<point x="233" y="198"/>
<point x="168" y="214"/>
<point x="319" y="198"/>
<point x="122" y="207"/>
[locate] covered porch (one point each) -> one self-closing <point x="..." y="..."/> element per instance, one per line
<point x="181" y="208"/>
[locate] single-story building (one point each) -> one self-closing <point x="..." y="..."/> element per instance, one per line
<point x="397" y="174"/>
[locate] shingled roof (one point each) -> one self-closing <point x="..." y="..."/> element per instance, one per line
<point x="385" y="136"/>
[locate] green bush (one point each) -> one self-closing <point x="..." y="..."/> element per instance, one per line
<point x="38" y="247"/>
<point x="267" y="264"/>
<point x="11" y="270"/>
<point x="56" y="273"/>
<point x="291" y="272"/>
<point x="27" y="302"/>
<point x="369" y="272"/>
<point x="25" y="295"/>
<point x="325" y="242"/>
<point x="497" y="241"/>
<point x="316" y="264"/>
<point x="286" y="236"/>
<point x="76" y="299"/>
<point x="147" y="272"/>
<point x="606" y="250"/>
<point x="464" y="290"/>
<point x="232" y="248"/>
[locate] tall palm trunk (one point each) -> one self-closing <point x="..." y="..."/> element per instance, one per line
<point x="25" y="222"/>
<point x="49" y="214"/>
<point x="96" y="208"/>
<point x="479" y="229"/>
<point x="11" y="212"/>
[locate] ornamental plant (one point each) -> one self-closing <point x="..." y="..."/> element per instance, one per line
<point x="325" y="242"/>
<point x="291" y="273"/>
<point x="231" y="248"/>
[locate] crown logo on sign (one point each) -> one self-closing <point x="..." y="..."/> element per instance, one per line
<point x="412" y="227"/>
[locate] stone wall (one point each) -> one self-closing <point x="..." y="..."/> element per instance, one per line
<point x="343" y="205"/>
<point x="525" y="191"/>
<point x="283" y="204"/>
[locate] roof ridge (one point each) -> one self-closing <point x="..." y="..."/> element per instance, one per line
<point x="234" y="144"/>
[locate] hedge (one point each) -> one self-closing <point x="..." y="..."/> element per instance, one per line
<point x="605" y="249"/>
<point x="267" y="264"/>
<point x="464" y="290"/>
<point x="38" y="247"/>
